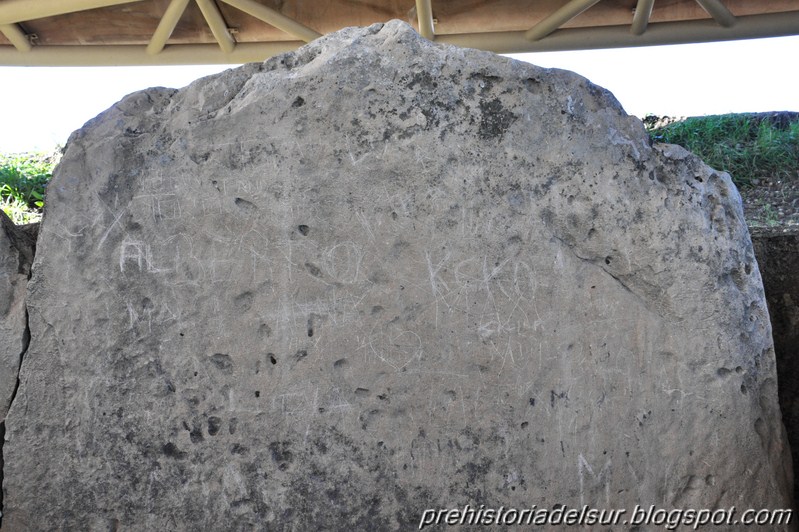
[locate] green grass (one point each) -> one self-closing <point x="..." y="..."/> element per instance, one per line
<point x="23" y="178"/>
<point x="771" y="216"/>
<point x="747" y="146"/>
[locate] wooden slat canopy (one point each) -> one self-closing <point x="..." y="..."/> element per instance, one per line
<point x="151" y="32"/>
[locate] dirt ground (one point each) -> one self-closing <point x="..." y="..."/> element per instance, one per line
<point x="772" y="204"/>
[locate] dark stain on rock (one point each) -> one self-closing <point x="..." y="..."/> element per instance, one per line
<point x="222" y="362"/>
<point x="547" y="216"/>
<point x="196" y="434"/>
<point x="495" y="119"/>
<point x="366" y="418"/>
<point x="193" y="401"/>
<point x="170" y="449"/>
<point x="398" y="248"/>
<point x="554" y="396"/>
<point x="247" y="206"/>
<point x="477" y="470"/>
<point x="321" y="446"/>
<point x="281" y="454"/>
<point x="422" y="80"/>
<point x="237" y="448"/>
<point x="214" y="424"/>
<point x="200" y="158"/>
<point x="313" y="269"/>
<point x="243" y="301"/>
<point x="334" y="469"/>
<point x="303" y="229"/>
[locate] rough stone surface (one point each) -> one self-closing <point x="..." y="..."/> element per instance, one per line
<point x="16" y="257"/>
<point x="31" y="231"/>
<point x="778" y="257"/>
<point x="380" y="275"/>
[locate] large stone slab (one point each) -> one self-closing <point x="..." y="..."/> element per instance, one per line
<point x="377" y="276"/>
<point x="16" y="257"/>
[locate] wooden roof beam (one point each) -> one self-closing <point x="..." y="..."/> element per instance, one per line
<point x="13" y="11"/>
<point x="558" y="19"/>
<point x="683" y="32"/>
<point x="275" y="18"/>
<point x="17" y="37"/>
<point x="661" y="33"/>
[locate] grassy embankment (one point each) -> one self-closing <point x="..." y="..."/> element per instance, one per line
<point x="751" y="148"/>
<point x="748" y="147"/>
<point x="759" y="151"/>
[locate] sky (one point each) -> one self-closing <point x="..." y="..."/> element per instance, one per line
<point x="40" y="107"/>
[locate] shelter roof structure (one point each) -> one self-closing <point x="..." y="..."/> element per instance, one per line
<point x="173" y="32"/>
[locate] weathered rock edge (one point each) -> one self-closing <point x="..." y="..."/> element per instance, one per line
<point x="16" y="257"/>
<point x="292" y="342"/>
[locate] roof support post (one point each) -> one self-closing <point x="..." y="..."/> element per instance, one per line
<point x="167" y="25"/>
<point x="275" y="18"/>
<point x="217" y="24"/>
<point x="720" y="13"/>
<point x="424" y="13"/>
<point x="558" y="19"/>
<point x="17" y="37"/>
<point x="641" y="18"/>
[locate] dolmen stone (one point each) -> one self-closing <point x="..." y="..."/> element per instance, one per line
<point x="16" y="258"/>
<point x="380" y="276"/>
